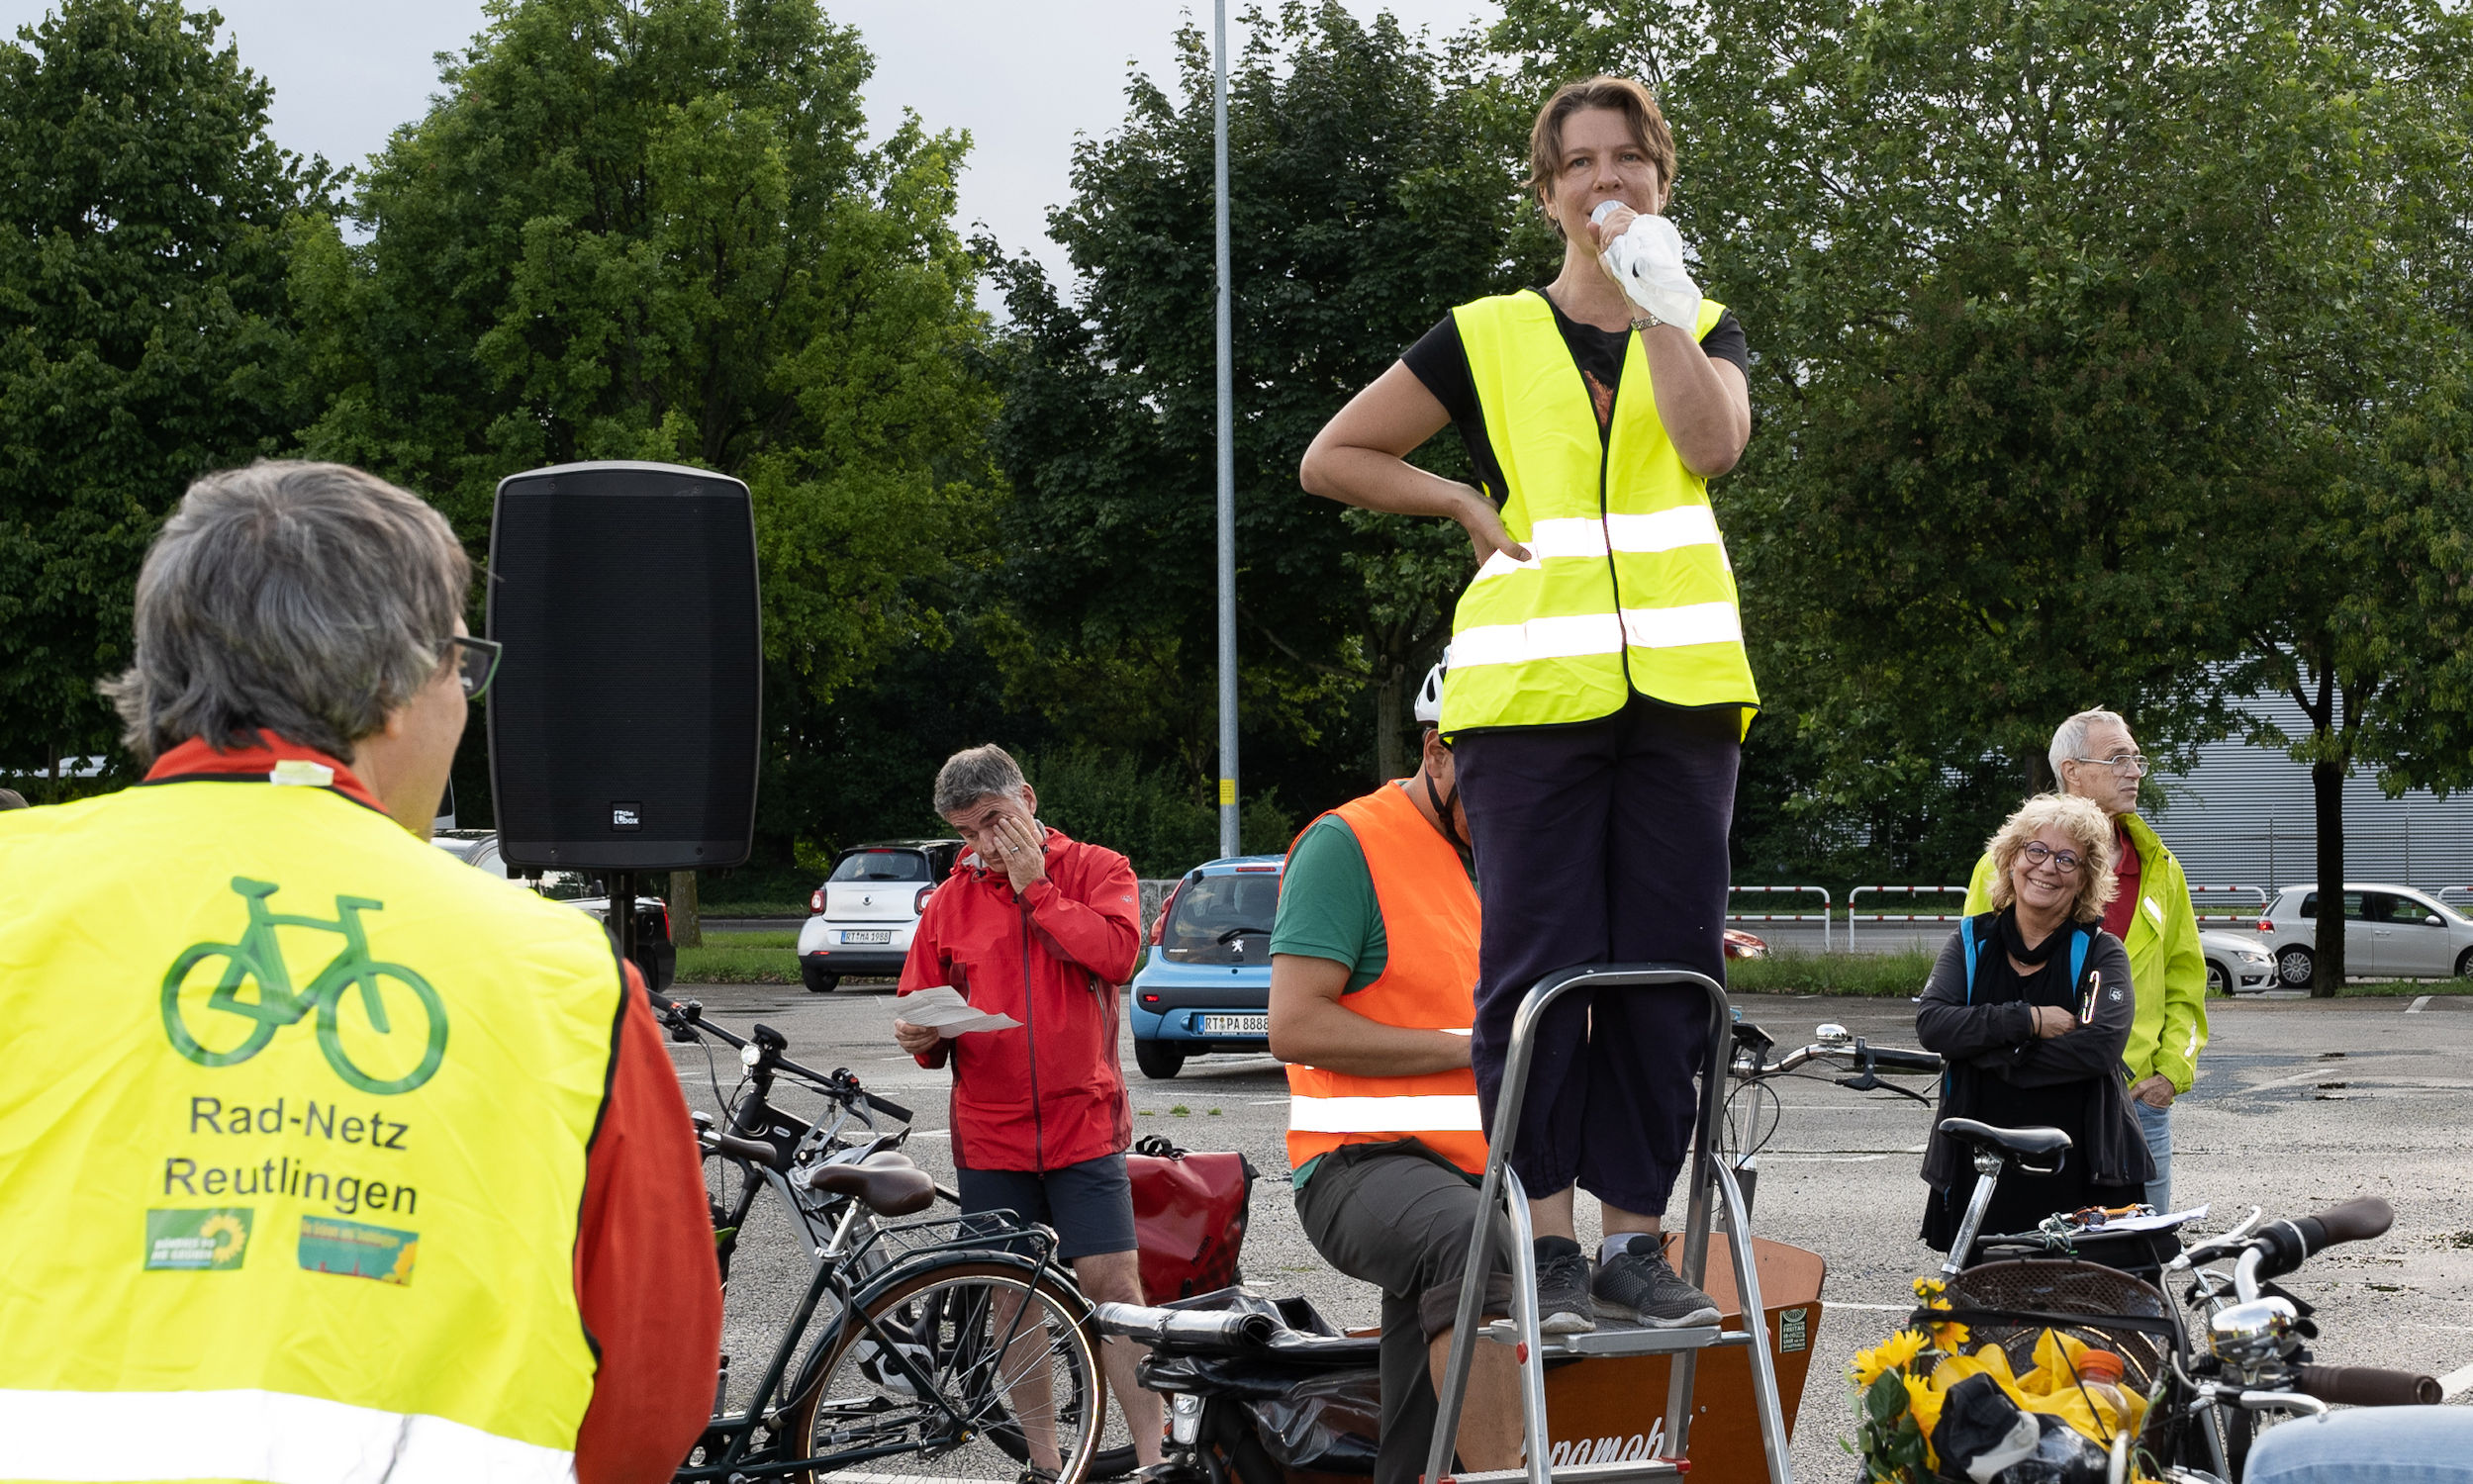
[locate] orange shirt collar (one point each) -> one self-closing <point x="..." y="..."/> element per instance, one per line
<point x="195" y="758"/>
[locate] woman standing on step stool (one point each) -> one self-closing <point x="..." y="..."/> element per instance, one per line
<point x="1599" y="690"/>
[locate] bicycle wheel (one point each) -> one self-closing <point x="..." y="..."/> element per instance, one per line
<point x="961" y="1371"/>
<point x="376" y="1031"/>
<point x="238" y="971"/>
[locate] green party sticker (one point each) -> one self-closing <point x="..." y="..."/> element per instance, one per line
<point x="210" y="1240"/>
<point x="358" y="1250"/>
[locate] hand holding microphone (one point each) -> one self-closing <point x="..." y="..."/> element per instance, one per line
<point x="1647" y="260"/>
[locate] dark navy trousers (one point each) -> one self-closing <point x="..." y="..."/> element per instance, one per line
<point x="1601" y="843"/>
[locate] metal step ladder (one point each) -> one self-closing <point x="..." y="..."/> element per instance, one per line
<point x="1501" y="1195"/>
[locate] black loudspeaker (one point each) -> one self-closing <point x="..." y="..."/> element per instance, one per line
<point x="625" y="718"/>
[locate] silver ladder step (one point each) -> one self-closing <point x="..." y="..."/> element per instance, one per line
<point x="1625" y="1340"/>
<point x="1590" y="1473"/>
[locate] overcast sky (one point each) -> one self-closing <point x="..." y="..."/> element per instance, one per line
<point x="1023" y="77"/>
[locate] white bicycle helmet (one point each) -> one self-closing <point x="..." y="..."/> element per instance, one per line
<point x="1429" y="706"/>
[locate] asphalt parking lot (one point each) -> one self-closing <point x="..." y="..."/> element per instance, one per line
<point x="2299" y="1104"/>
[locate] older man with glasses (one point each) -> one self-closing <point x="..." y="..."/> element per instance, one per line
<point x="2095" y="757"/>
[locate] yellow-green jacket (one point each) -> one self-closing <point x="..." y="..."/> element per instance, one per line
<point x="2167" y="970"/>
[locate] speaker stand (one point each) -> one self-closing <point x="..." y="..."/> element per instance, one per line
<point x="622" y="917"/>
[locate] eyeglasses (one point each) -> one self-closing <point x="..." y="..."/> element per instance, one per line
<point x="2130" y="763"/>
<point x="476" y="663"/>
<point x="2039" y="854"/>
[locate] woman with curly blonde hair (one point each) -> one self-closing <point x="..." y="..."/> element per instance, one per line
<point x="2030" y="1005"/>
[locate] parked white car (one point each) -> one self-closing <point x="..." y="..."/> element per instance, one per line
<point x="862" y="918"/>
<point x="2391" y="932"/>
<point x="2236" y="963"/>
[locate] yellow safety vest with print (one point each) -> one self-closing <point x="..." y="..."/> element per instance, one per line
<point x="1627" y="587"/>
<point x="292" y="1146"/>
<point x="1430" y="919"/>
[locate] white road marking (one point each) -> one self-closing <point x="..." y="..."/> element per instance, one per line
<point x="2418" y="1005"/>
<point x="931" y="1132"/>
<point x="1823" y="1158"/>
<point x="1875" y="1308"/>
<point x="1269" y="1102"/>
<point x="2456" y="1382"/>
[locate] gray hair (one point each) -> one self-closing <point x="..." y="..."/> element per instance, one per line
<point x="304" y="600"/>
<point x="972" y="773"/>
<point x="2070" y="739"/>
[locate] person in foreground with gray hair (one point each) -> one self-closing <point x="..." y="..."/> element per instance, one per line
<point x="2095" y="759"/>
<point x="1042" y="929"/>
<point x="352" y="1159"/>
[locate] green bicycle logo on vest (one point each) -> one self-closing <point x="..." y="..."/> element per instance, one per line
<point x="257" y="959"/>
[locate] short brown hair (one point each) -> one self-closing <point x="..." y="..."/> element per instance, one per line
<point x="1624" y="97"/>
<point x="2088" y="827"/>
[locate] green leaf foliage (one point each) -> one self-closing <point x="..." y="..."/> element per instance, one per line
<point x="654" y="230"/>
<point x="2073" y="320"/>
<point x="144" y="332"/>
<point x="1373" y="186"/>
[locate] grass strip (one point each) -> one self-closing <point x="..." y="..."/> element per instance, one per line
<point x="1899" y="976"/>
<point x="741" y="958"/>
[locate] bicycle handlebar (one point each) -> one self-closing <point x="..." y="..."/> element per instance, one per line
<point x="2283" y="1246"/>
<point x="755" y="1151"/>
<point x="686" y="1021"/>
<point x="2368" y="1386"/>
<point x="1861" y="1056"/>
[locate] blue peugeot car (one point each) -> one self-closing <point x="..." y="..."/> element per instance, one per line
<point x="1204" y="984"/>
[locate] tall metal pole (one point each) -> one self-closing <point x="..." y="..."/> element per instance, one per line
<point x="1229" y="843"/>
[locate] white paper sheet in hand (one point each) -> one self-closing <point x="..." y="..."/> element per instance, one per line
<point x="942" y="1009"/>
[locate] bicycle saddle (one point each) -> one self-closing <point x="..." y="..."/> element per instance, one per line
<point x="2033" y="1142"/>
<point x="888" y="1184"/>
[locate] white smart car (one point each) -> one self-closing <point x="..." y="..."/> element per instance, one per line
<point x="2391" y="932"/>
<point x="861" y="919"/>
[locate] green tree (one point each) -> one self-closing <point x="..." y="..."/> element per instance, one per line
<point x="1373" y="184"/>
<point x="2070" y="330"/>
<point x="144" y="328"/>
<point x="653" y="229"/>
<point x="2361" y="614"/>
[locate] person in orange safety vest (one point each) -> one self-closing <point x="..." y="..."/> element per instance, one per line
<point x="1372" y="982"/>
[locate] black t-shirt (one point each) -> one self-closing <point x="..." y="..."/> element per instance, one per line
<point x="1439" y="361"/>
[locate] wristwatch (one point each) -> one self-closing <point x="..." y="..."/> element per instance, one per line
<point x="1646" y="321"/>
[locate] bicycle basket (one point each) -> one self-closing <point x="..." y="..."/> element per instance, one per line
<point x="2005" y="1303"/>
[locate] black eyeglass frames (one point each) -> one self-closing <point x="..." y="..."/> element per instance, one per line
<point x="476" y="663"/>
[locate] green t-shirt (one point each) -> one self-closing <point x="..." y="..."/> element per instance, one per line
<point x="1328" y="910"/>
<point x="1327" y="906"/>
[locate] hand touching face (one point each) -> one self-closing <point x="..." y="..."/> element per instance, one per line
<point x="1004" y="831"/>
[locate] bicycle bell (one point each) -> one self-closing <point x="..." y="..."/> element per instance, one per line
<point x="1831" y="1034"/>
<point x="2252" y="1333"/>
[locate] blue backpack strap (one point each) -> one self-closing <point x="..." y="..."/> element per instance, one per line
<point x="2078" y="942"/>
<point x="1966" y="936"/>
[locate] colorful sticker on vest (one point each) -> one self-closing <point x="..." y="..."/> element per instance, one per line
<point x="381" y="1026"/>
<point x="212" y="1238"/>
<point x="356" y="1251"/>
<point x="1794" y="1329"/>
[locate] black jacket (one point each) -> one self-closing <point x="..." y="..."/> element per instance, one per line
<point x="1999" y="1041"/>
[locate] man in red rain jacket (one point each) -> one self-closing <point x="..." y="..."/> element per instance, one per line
<point x="1043" y="929"/>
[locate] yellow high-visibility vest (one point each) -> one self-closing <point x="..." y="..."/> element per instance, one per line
<point x="1430" y="919"/>
<point x="251" y="1234"/>
<point x="1627" y="588"/>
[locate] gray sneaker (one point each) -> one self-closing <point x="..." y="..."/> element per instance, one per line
<point x="1639" y="1283"/>
<point x="1563" y="1302"/>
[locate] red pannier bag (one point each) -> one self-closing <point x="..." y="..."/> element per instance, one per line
<point x="1189" y="1216"/>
